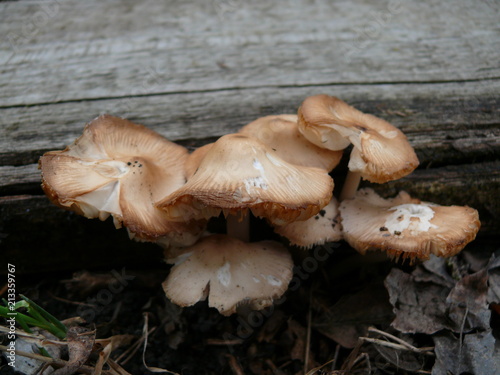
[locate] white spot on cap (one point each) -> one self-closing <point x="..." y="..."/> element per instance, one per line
<point x="258" y="165"/>
<point x="224" y="274"/>
<point x="256" y="280"/>
<point x="255" y="182"/>
<point x="273" y="280"/>
<point x="400" y="219"/>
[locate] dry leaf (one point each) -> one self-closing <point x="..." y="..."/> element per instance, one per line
<point x="475" y="355"/>
<point x="351" y="316"/>
<point x="80" y="343"/>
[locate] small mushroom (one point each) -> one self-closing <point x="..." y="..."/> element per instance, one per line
<point x="381" y="151"/>
<point x="281" y="133"/>
<point x="240" y="173"/>
<point x="322" y="228"/>
<point x="229" y="272"/>
<point x="120" y="168"/>
<point x="407" y="227"/>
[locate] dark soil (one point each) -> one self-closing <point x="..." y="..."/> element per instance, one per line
<point x="329" y="305"/>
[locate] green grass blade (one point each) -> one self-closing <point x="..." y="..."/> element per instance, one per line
<point x="60" y="329"/>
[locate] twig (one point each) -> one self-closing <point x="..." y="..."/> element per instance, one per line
<point x="351" y="358"/>
<point x="366" y="357"/>
<point x="316" y="369"/>
<point x="109" y="345"/>
<point x="272" y="366"/>
<point x="221" y="342"/>
<point x="235" y="366"/>
<point x="308" y="335"/>
<point x="398" y="340"/>
<point x="116" y="367"/>
<point x="51" y="361"/>
<point x="145" y="332"/>
<point x="132" y="349"/>
<point x="335" y="357"/>
<point x="32" y="337"/>
<point x="462" y="327"/>
<point x="18" y="332"/>
<point x="396" y="346"/>
<point x="68" y="301"/>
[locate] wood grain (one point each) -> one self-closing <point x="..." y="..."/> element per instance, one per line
<point x="97" y="50"/>
<point x="435" y="117"/>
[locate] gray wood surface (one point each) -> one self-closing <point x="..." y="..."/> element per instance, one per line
<point x="195" y="70"/>
<point x="96" y="50"/>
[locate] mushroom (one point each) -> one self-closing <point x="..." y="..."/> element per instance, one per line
<point x="120" y="168"/>
<point x="405" y="226"/>
<point x="229" y="272"/>
<point x="281" y="133"/>
<point x="381" y="152"/>
<point x="240" y="173"/>
<point x="322" y="228"/>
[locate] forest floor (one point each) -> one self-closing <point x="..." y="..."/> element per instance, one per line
<point x="343" y="314"/>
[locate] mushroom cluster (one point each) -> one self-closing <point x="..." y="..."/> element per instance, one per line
<point x="277" y="168"/>
<point x="402" y="226"/>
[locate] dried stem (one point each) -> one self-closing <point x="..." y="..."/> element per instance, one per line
<point x="51" y="361"/>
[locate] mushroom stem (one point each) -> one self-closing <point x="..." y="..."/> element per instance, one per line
<point x="238" y="226"/>
<point x="351" y="185"/>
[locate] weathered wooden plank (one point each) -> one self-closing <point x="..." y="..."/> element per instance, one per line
<point x="436" y="117"/>
<point x="17" y="180"/>
<point x="86" y="50"/>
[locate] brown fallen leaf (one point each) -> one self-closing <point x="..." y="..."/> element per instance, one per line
<point x="468" y="302"/>
<point x="350" y="317"/>
<point x="475" y="354"/>
<point x="450" y="300"/>
<point x="109" y="345"/>
<point x="299" y="333"/>
<point x="426" y="301"/>
<point x="420" y="307"/>
<point x="80" y="342"/>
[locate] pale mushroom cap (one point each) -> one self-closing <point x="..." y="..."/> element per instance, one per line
<point x="317" y="230"/>
<point x="381" y="151"/>
<point x="240" y="173"/>
<point x="120" y="168"/>
<point x="281" y="133"/>
<point x="230" y="272"/>
<point x="407" y="227"/>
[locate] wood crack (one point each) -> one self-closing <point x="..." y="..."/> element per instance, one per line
<point x="244" y="88"/>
